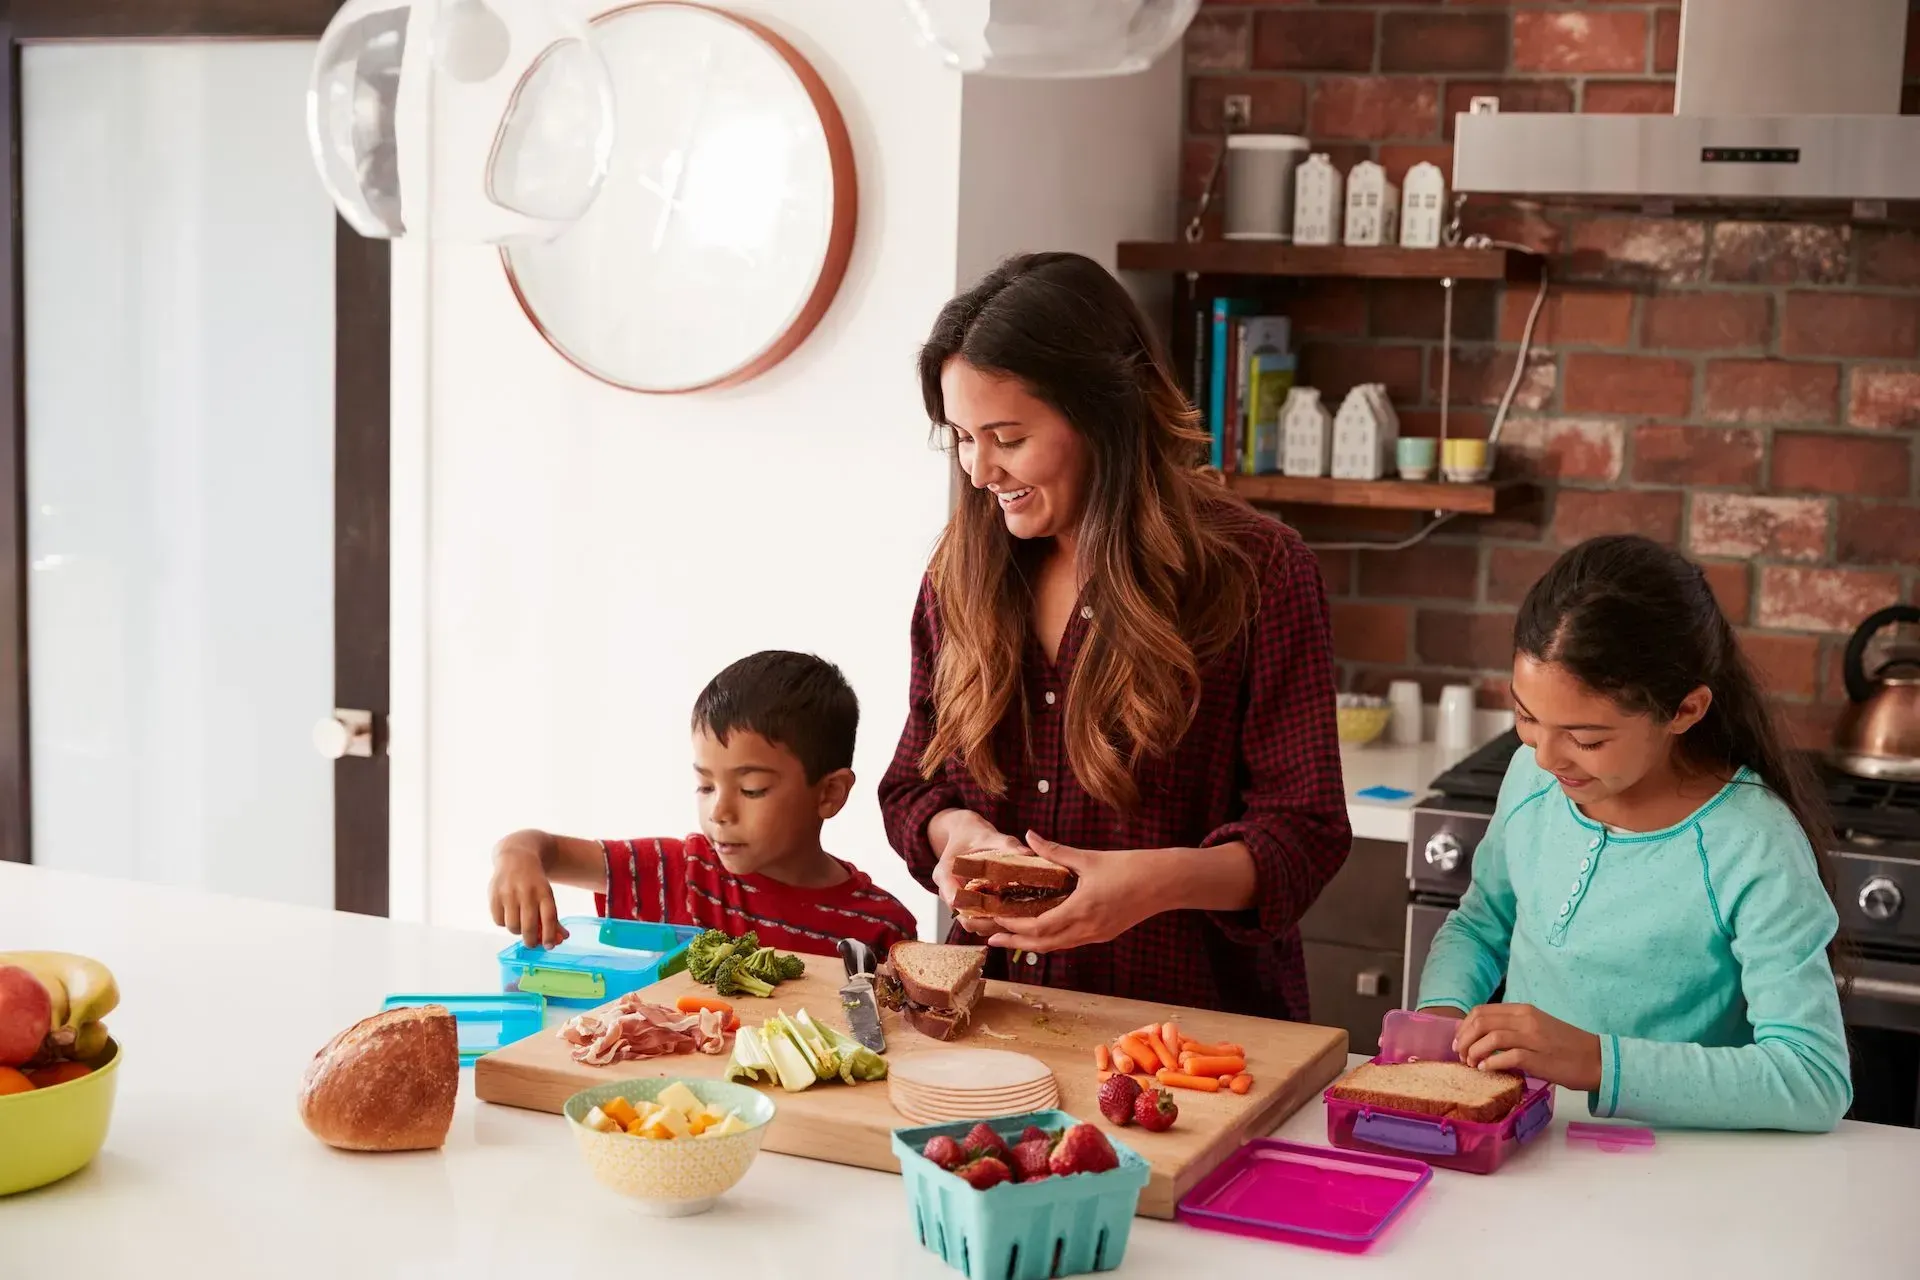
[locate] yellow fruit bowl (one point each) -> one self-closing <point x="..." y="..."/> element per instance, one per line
<point x="1361" y="725"/>
<point x="671" y="1177"/>
<point x="46" y="1134"/>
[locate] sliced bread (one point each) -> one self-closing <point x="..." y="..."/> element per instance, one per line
<point x="1011" y="867"/>
<point x="937" y="975"/>
<point x="1452" y="1090"/>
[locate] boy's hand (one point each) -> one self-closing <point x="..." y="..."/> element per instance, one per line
<point x="522" y="896"/>
<point x="1518" y="1037"/>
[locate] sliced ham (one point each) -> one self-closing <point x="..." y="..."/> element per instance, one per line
<point x="633" y="1028"/>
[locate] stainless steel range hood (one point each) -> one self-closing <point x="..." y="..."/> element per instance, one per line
<point x="1775" y="100"/>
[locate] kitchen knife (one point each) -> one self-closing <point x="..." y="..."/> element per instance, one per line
<point x="857" y="996"/>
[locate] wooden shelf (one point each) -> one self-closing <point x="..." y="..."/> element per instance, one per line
<point x="1272" y="258"/>
<point x="1380" y="495"/>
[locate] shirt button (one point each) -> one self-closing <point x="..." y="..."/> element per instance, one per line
<point x="1033" y="957"/>
<point x="1593" y="843"/>
<point x="1049" y="697"/>
<point x="1045" y="786"/>
<point x="1565" y="907"/>
<point x="1576" y="887"/>
<point x="1086" y="611"/>
<point x="1586" y="864"/>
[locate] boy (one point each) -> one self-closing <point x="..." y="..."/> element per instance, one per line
<point x="772" y="761"/>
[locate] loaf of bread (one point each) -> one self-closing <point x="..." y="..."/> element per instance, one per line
<point x="1452" y="1090"/>
<point x="387" y="1083"/>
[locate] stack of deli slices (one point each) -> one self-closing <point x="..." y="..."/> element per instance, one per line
<point x="1452" y="1090"/>
<point x="938" y="1085"/>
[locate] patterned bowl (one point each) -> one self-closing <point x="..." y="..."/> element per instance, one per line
<point x="676" y="1177"/>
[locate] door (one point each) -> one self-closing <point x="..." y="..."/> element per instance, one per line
<point x="196" y="487"/>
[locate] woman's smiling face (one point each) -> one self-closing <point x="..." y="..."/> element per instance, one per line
<point x="1018" y="448"/>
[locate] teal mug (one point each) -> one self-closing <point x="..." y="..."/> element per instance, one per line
<point x="1415" y="456"/>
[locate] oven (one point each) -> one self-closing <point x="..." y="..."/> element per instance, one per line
<point x="1876" y="864"/>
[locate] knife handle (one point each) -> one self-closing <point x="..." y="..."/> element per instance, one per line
<point x="856" y="955"/>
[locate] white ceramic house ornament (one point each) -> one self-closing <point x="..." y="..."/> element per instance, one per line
<point x="1364" y="432"/>
<point x="1373" y="206"/>
<point x="1316" y="202"/>
<point x="1306" y="433"/>
<point x="1422" y="207"/>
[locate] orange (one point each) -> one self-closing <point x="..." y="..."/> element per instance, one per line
<point x="13" y="1080"/>
<point x="59" y="1073"/>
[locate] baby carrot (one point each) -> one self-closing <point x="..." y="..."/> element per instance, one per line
<point x="1123" y="1062"/>
<point x="1145" y="1081"/>
<point x="697" y="1004"/>
<point x="1139" y="1050"/>
<point x="1222" y="1050"/>
<point x="1168" y="1058"/>
<point x="1102" y="1057"/>
<point x="1203" y="1065"/>
<point x="1151" y="1029"/>
<point x="1240" y="1083"/>
<point x="1170" y="1037"/>
<point x="1104" y="1075"/>
<point x="1175" y="1080"/>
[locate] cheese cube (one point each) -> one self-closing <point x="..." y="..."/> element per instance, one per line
<point x="679" y="1098"/>
<point x="620" y="1110"/>
<point x="598" y="1119"/>
<point x="731" y="1125"/>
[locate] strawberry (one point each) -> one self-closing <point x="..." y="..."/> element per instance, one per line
<point x="1155" y="1110"/>
<point x="1083" y="1149"/>
<point x="945" y="1152"/>
<point x="1116" y="1098"/>
<point x="987" y="1171"/>
<point x="981" y="1140"/>
<point x="1034" y="1133"/>
<point x="1030" y="1160"/>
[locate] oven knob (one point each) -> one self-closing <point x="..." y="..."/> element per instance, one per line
<point x="1880" y="899"/>
<point x="1443" y="851"/>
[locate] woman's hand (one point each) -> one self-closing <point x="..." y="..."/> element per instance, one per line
<point x="1518" y="1037"/>
<point x="961" y="831"/>
<point x="1118" y="889"/>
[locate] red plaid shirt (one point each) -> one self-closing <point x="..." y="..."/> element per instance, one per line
<point x="683" y="882"/>
<point x="1260" y="765"/>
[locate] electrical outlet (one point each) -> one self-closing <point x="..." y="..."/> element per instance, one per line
<point x="1238" y="109"/>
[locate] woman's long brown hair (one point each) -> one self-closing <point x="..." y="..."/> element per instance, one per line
<point x="1168" y="582"/>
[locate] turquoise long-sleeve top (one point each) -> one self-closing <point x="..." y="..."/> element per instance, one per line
<point x="1697" y="954"/>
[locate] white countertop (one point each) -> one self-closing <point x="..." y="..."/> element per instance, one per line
<point x="1411" y="769"/>
<point x="207" y="1171"/>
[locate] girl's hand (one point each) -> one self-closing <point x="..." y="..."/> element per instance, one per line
<point x="1518" y="1037"/>
<point x="1118" y="889"/>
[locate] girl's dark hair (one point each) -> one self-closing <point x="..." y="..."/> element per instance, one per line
<point x="1637" y="622"/>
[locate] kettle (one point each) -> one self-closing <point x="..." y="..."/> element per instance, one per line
<point x="1878" y="735"/>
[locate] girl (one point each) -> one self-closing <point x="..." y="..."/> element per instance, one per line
<point x="1649" y="888"/>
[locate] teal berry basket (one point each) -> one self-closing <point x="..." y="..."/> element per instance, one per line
<point x="1020" y="1231"/>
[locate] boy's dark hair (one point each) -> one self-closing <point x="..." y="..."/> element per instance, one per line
<point x="1637" y="622"/>
<point x="793" y="700"/>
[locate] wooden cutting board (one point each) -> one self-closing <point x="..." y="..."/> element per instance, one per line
<point x="1289" y="1062"/>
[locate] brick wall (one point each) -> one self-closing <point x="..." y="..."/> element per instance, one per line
<point x="1746" y="390"/>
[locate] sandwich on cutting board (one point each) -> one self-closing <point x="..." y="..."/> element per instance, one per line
<point x="1008" y="885"/>
<point x="934" y="985"/>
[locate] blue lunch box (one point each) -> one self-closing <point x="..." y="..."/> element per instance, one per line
<point x="1020" y="1231"/>
<point x="601" y="960"/>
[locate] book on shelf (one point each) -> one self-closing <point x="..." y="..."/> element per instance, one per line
<point x="1249" y="369"/>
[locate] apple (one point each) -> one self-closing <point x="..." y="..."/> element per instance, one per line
<point x="26" y="1015"/>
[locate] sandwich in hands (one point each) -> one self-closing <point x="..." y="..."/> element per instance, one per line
<point x="934" y="985"/>
<point x="1007" y="884"/>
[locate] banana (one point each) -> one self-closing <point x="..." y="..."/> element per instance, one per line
<point x="83" y="990"/>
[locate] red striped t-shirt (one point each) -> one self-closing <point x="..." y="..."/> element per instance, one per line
<point x="683" y="882"/>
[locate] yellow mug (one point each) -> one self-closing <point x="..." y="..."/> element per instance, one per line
<point x="1464" y="455"/>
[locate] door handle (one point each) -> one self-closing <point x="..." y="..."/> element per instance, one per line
<point x="344" y="733"/>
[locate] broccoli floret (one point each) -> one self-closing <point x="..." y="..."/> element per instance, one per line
<point x="705" y="953"/>
<point x="769" y="965"/>
<point x="734" y="978"/>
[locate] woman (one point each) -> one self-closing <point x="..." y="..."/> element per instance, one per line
<point x="1115" y="662"/>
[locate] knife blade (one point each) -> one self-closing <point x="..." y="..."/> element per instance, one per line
<point x="856" y="997"/>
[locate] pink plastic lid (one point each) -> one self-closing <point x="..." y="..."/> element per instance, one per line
<point x="1609" y="1137"/>
<point x="1322" y="1196"/>
<point x="1406" y="1036"/>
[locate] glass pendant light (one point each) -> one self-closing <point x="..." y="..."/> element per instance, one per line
<point x="475" y="121"/>
<point x="1046" y="39"/>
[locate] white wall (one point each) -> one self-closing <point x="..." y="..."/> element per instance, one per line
<point x="587" y="558"/>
